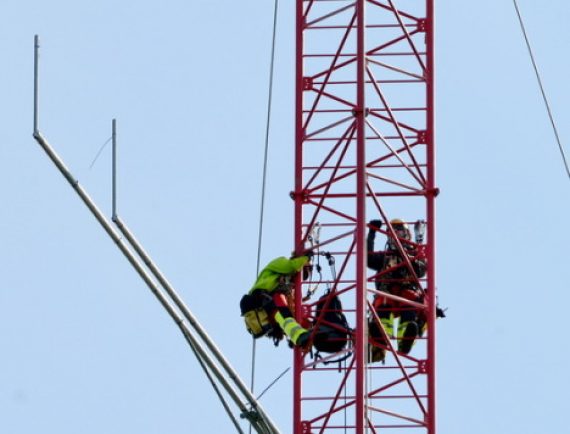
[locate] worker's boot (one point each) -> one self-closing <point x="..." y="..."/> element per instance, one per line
<point x="303" y="340"/>
<point x="407" y="334"/>
<point x="298" y="335"/>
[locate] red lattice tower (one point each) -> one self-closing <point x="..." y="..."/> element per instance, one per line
<point x="365" y="150"/>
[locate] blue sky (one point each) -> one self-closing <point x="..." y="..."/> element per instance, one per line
<point x="86" y="347"/>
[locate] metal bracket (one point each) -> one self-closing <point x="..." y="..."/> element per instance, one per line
<point x="308" y="83"/>
<point x="303" y="195"/>
<point x="422" y="25"/>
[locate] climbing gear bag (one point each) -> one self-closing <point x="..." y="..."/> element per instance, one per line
<point x="332" y="332"/>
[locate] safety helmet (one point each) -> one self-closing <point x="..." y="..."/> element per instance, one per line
<point x="401" y="229"/>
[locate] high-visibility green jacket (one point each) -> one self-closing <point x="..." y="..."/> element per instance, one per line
<point x="269" y="277"/>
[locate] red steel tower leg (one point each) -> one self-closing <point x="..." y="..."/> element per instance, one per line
<point x="365" y="149"/>
<point x="360" y="189"/>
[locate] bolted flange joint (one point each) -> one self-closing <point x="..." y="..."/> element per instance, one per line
<point x="303" y="195"/>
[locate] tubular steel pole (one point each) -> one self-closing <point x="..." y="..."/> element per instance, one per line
<point x="431" y="215"/>
<point x="36" y="81"/>
<point x="361" y="335"/>
<point x="114" y="141"/>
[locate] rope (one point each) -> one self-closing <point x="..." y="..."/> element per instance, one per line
<point x="547" y="105"/>
<point x="264" y="176"/>
<point x="272" y="383"/>
<point x="266" y="150"/>
<point x="99" y="152"/>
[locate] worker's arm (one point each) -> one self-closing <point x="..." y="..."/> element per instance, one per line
<point x="419" y="267"/>
<point x="375" y="260"/>
<point x="286" y="266"/>
<point x="268" y="279"/>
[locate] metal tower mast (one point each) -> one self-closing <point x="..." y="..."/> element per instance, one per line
<point x="365" y="150"/>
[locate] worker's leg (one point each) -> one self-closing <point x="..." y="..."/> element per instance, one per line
<point x="384" y="310"/>
<point x="297" y="334"/>
<point x="407" y="334"/>
<point x="408" y="328"/>
<point x="378" y="344"/>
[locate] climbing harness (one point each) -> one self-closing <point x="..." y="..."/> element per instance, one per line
<point x="255" y="309"/>
<point x="254" y="312"/>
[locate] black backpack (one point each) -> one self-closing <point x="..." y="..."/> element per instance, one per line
<point x="332" y="332"/>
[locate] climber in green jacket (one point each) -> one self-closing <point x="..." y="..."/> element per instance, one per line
<point x="267" y="307"/>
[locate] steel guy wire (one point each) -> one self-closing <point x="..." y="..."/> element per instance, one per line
<point x="545" y="99"/>
<point x="264" y="176"/>
<point x="99" y="152"/>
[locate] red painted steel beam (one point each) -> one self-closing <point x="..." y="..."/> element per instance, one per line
<point x="431" y="187"/>
<point x="365" y="149"/>
<point x="360" y="338"/>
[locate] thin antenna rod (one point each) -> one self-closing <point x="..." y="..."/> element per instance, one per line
<point x="36" y="80"/>
<point x="114" y="139"/>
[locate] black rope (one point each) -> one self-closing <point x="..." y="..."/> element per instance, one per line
<point x="272" y="383"/>
<point x="266" y="150"/>
<point x="264" y="176"/>
<point x="547" y="105"/>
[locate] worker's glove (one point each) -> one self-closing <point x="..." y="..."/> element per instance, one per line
<point x="309" y="254"/>
<point x="376" y="223"/>
<point x="439" y="312"/>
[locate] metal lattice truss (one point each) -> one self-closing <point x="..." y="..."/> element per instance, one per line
<point x="374" y="69"/>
